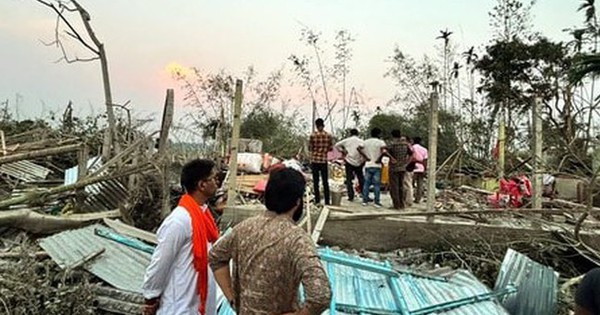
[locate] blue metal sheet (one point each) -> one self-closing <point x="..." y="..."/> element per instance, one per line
<point x="537" y="285"/>
<point x="366" y="286"/>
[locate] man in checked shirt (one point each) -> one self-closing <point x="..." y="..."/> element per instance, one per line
<point x="319" y="144"/>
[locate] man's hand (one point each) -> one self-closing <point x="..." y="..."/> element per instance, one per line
<point x="150" y="306"/>
<point x="220" y="204"/>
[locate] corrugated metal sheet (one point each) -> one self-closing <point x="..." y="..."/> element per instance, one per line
<point x="25" y="170"/>
<point x="373" y="292"/>
<point x="121" y="266"/>
<point x="537" y="285"/>
<point x="102" y="196"/>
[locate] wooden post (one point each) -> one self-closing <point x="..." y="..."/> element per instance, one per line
<point x="82" y="169"/>
<point x="501" y="144"/>
<point x="82" y="156"/>
<point x="163" y="142"/>
<point x="432" y="156"/>
<point x="235" y="139"/>
<point x="3" y="142"/>
<point x="167" y="120"/>
<point x="537" y="153"/>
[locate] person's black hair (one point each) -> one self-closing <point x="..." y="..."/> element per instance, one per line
<point x="354" y="132"/>
<point x="375" y="132"/>
<point x="195" y="171"/>
<point x="417" y="140"/>
<point x="396" y="133"/>
<point x="319" y="122"/>
<point x="285" y="187"/>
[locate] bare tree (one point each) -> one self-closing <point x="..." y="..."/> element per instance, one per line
<point x="96" y="48"/>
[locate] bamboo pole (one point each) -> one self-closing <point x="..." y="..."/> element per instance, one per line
<point x="39" y="153"/>
<point x="432" y="160"/>
<point x="235" y="139"/>
<point x="537" y="153"/>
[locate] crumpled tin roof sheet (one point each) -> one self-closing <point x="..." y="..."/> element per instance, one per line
<point x="537" y="285"/>
<point x="121" y="266"/>
<point x="102" y="196"/>
<point x="370" y="290"/>
<point x="25" y="170"/>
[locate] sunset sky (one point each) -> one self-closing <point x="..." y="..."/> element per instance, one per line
<point x="142" y="37"/>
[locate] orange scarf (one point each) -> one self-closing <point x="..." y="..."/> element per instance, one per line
<point x="204" y="230"/>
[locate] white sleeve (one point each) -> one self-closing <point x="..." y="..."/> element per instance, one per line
<point x="340" y="144"/>
<point x="171" y="237"/>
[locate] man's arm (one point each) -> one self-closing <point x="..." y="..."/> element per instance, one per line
<point x="341" y="146"/>
<point x="361" y="151"/>
<point x="171" y="237"/>
<point x="309" y="269"/>
<point x="219" y="258"/>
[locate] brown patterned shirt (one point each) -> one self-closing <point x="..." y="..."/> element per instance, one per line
<point x="271" y="257"/>
<point x="320" y="143"/>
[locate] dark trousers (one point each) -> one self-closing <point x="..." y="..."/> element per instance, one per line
<point x="419" y="178"/>
<point x="352" y="171"/>
<point x="396" y="190"/>
<point x="320" y="170"/>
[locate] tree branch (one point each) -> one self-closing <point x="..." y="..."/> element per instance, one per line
<point x="62" y="17"/>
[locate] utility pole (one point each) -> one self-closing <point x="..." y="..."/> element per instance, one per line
<point x="432" y="158"/>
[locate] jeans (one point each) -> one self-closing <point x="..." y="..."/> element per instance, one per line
<point x="320" y="170"/>
<point x="372" y="177"/>
<point x="352" y="171"/>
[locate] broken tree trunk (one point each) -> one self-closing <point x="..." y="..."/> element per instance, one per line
<point x="34" y="222"/>
<point x="235" y="139"/>
<point x="39" y="153"/>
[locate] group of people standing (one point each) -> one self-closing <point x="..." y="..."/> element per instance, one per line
<point x="363" y="160"/>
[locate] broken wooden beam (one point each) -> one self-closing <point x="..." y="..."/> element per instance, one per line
<point x="131" y="231"/>
<point x="320" y="223"/>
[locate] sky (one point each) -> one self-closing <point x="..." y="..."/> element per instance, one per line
<point x="142" y="37"/>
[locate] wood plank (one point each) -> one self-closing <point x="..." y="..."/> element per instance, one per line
<point x="131" y="231"/>
<point x="320" y="223"/>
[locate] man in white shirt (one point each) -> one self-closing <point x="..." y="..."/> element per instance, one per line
<point x="178" y="280"/>
<point x="372" y="150"/>
<point x="354" y="161"/>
